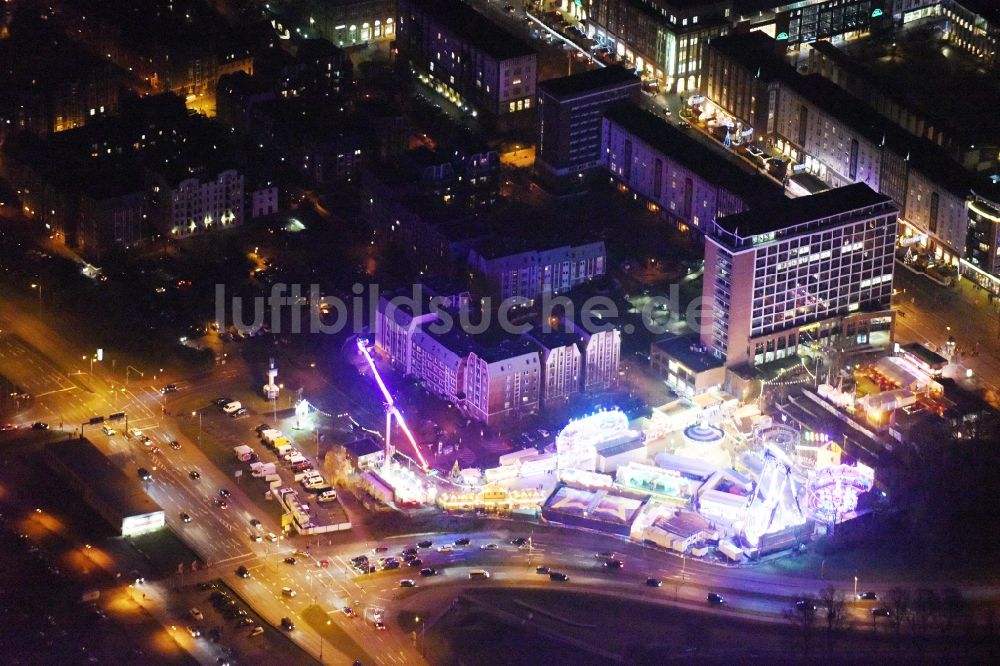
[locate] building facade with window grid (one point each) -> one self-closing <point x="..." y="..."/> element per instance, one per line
<point x="810" y="271"/>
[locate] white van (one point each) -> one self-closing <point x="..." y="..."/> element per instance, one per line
<point x="328" y="496"/>
<point x="232" y="407"/>
<point x="479" y="573"/>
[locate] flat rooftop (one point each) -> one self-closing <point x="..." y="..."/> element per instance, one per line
<point x="686" y="150"/>
<point x="686" y="349"/>
<point x="102" y="478"/>
<point x="592" y="81"/>
<point x="472" y="27"/>
<point x="365" y="446"/>
<point x="784" y="213"/>
<point x="756" y="52"/>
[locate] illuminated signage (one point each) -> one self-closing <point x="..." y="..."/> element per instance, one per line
<point x="143" y="523"/>
<point x="781" y="36"/>
<point x="876" y="13"/>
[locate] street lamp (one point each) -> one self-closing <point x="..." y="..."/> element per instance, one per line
<point x="855" y="587"/>
<point x="322" y="640"/>
<point x="199" y="425"/>
<point x="423" y="629"/>
<point x="38" y="286"/>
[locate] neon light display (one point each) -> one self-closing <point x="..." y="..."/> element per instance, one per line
<point x="577" y="443"/>
<point x="774" y="505"/>
<point x="834" y="491"/>
<point x="391" y="404"/>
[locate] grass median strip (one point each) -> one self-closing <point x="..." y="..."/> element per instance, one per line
<point x="335" y="635"/>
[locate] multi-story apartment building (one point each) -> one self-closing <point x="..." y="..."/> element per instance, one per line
<point x="839" y="139"/>
<point x="438" y="360"/>
<point x="396" y="323"/>
<point x="662" y="39"/>
<point x="522" y="276"/>
<point x="502" y="381"/>
<point x="674" y="173"/>
<point x="561" y="365"/>
<point x="476" y="63"/>
<point x="202" y="203"/>
<point x="49" y="83"/>
<point x="972" y="140"/>
<point x="815" y="270"/>
<point x="601" y="355"/>
<point x="570" y="112"/>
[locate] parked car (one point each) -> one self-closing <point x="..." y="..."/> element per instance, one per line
<point x="256" y="631"/>
<point x="196" y="614"/>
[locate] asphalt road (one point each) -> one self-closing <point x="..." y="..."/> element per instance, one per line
<point x="928" y="313"/>
<point x="49" y="369"/>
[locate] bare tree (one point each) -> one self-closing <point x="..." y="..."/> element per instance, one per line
<point x="926" y="603"/>
<point x="836" y="613"/>
<point x="802" y="616"/>
<point x="899" y="600"/>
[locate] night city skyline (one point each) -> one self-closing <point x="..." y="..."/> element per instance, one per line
<point x="398" y="332"/>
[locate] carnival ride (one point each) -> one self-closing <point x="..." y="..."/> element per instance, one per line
<point x="576" y="444"/>
<point x="391" y="411"/>
<point x="774" y="504"/>
<point x="834" y="491"/>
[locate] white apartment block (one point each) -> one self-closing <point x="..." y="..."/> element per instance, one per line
<point x="198" y="206"/>
<point x="395" y="326"/>
<point x="437" y="364"/>
<point x="676" y="175"/>
<point x="502" y="383"/>
<point x="524" y="276"/>
<point x="602" y="353"/>
<point x="815" y="270"/>
<point x="561" y="366"/>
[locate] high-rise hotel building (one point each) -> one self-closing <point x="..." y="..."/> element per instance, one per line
<point x="811" y="271"/>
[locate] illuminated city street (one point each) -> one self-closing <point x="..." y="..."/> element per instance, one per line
<point x="466" y="332"/>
